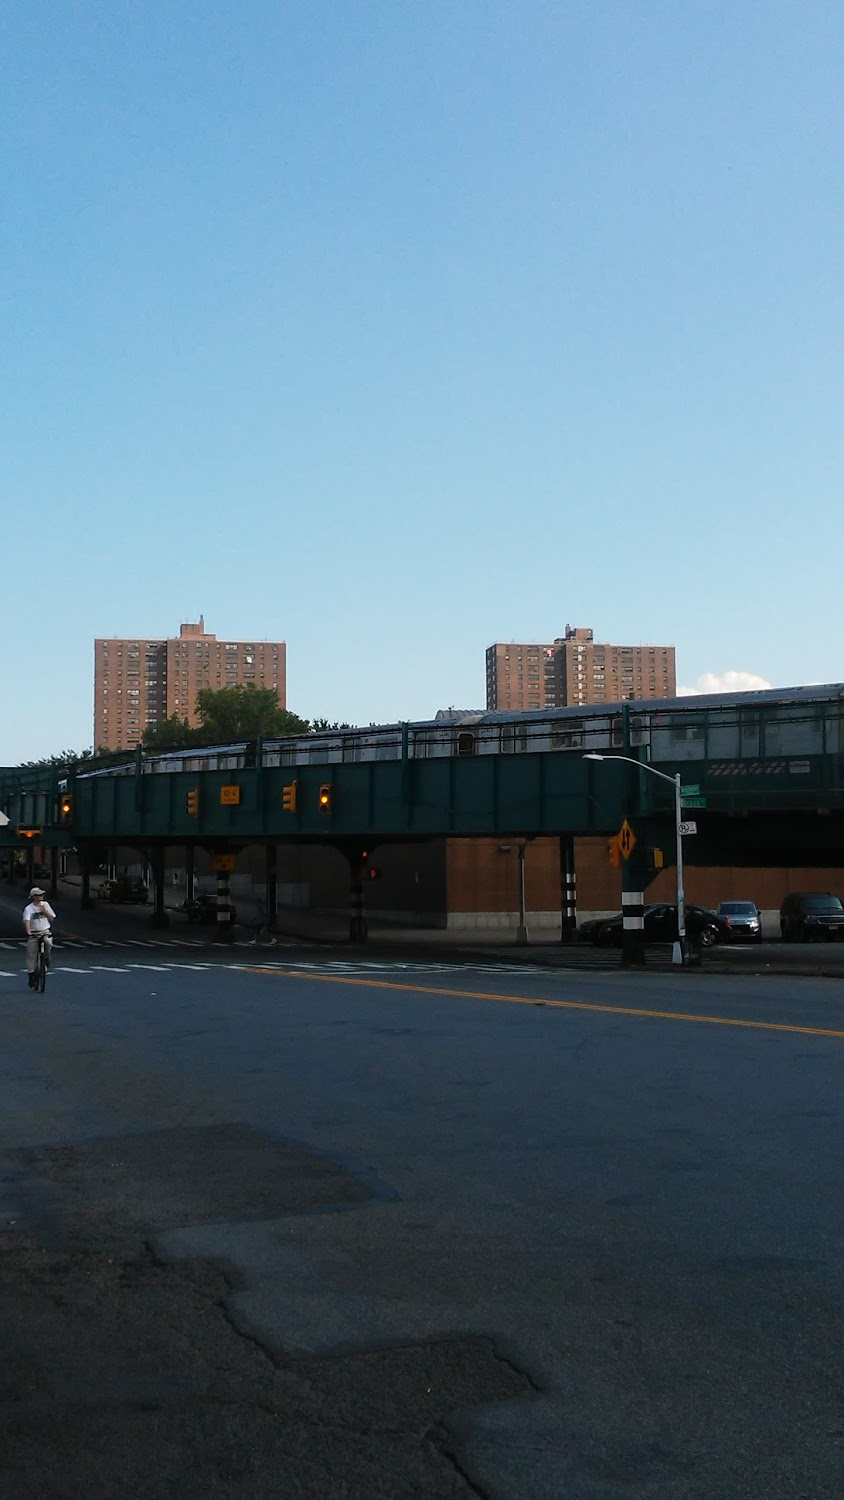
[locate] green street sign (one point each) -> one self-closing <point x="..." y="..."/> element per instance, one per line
<point x="693" y="791"/>
<point x="693" y="801"/>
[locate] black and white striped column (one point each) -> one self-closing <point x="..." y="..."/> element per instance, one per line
<point x="568" y="889"/>
<point x="224" y="910"/>
<point x="633" y="927"/>
<point x="357" y="920"/>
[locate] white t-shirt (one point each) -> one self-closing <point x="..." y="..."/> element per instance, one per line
<point x="39" y="917"/>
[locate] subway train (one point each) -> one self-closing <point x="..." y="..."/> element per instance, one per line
<point x="764" y="725"/>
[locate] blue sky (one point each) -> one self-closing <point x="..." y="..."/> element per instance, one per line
<point x="393" y="329"/>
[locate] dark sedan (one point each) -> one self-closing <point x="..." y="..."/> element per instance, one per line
<point x="704" y="927"/>
<point x="203" y="908"/>
<point x="124" y="888"/>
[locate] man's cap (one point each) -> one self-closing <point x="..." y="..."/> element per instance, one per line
<point x="37" y="891"/>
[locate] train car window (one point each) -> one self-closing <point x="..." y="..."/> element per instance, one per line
<point x="688" y="729"/>
<point x="616" y="732"/>
<point x="351" y="750"/>
<point x="567" y="739"/>
<point x="507" y="739"/>
<point x="425" y="743"/>
<point x="749" y="731"/>
<point x="287" y="753"/>
<point x="465" y="743"/>
<point x="792" y="732"/>
<point x="723" y="734"/>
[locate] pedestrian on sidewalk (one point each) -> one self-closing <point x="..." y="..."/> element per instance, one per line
<point x="262" y="931"/>
<point x="37" y="916"/>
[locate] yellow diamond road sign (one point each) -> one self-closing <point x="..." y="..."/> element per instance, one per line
<point x="626" y="839"/>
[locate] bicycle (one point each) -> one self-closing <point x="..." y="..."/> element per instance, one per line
<point x="41" y="964"/>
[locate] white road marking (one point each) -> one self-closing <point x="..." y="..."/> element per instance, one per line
<point x="155" y="968"/>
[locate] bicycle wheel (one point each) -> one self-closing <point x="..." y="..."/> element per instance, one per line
<point x="42" y="968"/>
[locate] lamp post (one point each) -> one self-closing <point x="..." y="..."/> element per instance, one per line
<point x="679" y="950"/>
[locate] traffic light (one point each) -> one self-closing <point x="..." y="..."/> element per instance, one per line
<point x="614" y="852"/>
<point x="656" y="859"/>
<point x="65" y="808"/>
<point x="288" y="796"/>
<point x="373" y="872"/>
<point x="325" y="797"/>
<point x="193" y="803"/>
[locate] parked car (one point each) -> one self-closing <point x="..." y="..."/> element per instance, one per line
<point x="745" y="920"/>
<point x="706" y="927"/>
<point x="203" y="908"/>
<point x="805" y="915"/>
<point x="125" y="888"/>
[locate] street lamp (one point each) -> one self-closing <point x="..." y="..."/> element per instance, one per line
<point x="679" y="949"/>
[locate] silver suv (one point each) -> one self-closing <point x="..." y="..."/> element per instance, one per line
<point x="744" y="917"/>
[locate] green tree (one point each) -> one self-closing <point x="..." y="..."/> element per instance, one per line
<point x="322" y="726"/>
<point x="66" y="758"/>
<point x="244" y="712"/>
<point x="170" y="734"/>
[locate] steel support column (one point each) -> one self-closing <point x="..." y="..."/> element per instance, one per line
<point x="358" y="929"/>
<point x="521" y="930"/>
<point x="272" y="884"/>
<point x="633" y="907"/>
<point x="568" y="889"/>
<point x="159" y="916"/>
<point x="224" y="909"/>
<point x="85" y="861"/>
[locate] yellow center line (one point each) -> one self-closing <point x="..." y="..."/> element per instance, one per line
<point x="610" y="1010"/>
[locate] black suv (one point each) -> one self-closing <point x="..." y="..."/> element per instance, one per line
<point x="808" y="914"/>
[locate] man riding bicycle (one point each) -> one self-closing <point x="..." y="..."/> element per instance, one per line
<point x="37" y="916"/>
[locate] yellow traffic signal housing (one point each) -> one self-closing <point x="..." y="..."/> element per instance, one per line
<point x="193" y="803"/>
<point x="65" y="808"/>
<point x="325" y="797"/>
<point x="289" y="795"/>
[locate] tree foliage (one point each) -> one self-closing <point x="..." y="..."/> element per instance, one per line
<point x="227" y="715"/>
<point x="243" y="712"/>
<point x="169" y="734"/>
<point x="66" y="758"/>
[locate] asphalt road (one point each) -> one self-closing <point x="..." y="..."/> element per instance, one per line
<point x="343" y="1228"/>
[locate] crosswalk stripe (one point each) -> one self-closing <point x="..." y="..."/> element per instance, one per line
<point x="156" y="968"/>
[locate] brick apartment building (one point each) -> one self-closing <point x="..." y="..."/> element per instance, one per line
<point x="137" y="683"/>
<point x="575" y="668"/>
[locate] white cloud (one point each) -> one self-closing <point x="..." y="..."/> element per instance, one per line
<point x="726" y="682"/>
